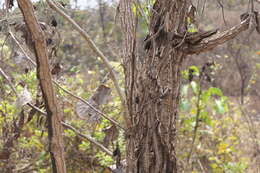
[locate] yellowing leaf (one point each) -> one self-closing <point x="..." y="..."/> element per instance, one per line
<point x="222" y="148"/>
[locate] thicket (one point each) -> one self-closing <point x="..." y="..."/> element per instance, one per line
<point x="218" y="126"/>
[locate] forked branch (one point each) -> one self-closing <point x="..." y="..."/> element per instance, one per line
<point x="218" y="39"/>
<point x="65" y="125"/>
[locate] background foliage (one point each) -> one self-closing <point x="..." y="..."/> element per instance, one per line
<point x="219" y="112"/>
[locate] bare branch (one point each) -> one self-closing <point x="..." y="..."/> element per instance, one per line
<point x="91" y="45"/>
<point x="89" y="138"/>
<point x="218" y="39"/>
<point x="22" y="48"/>
<point x="65" y="90"/>
<point x="87" y="103"/>
<point x="8" y="80"/>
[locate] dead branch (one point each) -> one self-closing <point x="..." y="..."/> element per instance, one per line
<point x="87" y="137"/>
<point x="65" y="90"/>
<point x="91" y="44"/>
<point x="217" y="39"/>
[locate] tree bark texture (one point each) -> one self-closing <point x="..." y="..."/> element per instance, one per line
<point x="43" y="73"/>
<point x="153" y="84"/>
<point x="153" y="81"/>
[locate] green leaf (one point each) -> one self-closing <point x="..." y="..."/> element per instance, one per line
<point x="215" y="91"/>
<point x="134" y="9"/>
<point x="205" y="118"/>
<point x="195" y="69"/>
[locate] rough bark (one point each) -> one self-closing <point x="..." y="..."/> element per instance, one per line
<point x="153" y="88"/>
<point x="153" y="81"/>
<point x="43" y="73"/>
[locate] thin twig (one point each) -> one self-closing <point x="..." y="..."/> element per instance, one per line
<point x="68" y="92"/>
<point x="222" y="9"/>
<point x="89" y="138"/>
<point x="87" y="103"/>
<point x="201" y="166"/>
<point x="8" y="80"/>
<point x="197" y="119"/>
<point x="21" y="47"/>
<point x="57" y="8"/>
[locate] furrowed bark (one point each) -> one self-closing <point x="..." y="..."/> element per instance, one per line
<point x="153" y="85"/>
<point x="152" y="82"/>
<point x="43" y="73"/>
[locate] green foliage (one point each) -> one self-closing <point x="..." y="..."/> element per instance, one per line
<point x="217" y="145"/>
<point x="216" y="139"/>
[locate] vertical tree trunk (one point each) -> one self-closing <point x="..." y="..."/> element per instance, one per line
<point x="153" y="87"/>
<point x="43" y="73"/>
<point x="153" y="81"/>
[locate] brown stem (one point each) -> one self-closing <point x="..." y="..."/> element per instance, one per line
<point x="92" y="45"/>
<point x="65" y="90"/>
<point x="54" y="112"/>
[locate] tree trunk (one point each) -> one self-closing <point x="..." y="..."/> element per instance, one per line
<point x="153" y="81"/>
<point x="43" y="73"/>
<point x="153" y="89"/>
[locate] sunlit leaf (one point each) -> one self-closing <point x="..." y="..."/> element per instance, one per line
<point x="222" y="148"/>
<point x="215" y="91"/>
<point x="195" y="69"/>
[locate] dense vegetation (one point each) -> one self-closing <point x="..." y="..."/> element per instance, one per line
<point x="219" y="114"/>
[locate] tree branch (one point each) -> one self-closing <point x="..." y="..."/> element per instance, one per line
<point x="54" y="112"/>
<point x="89" y="138"/>
<point x="91" y="45"/>
<point x="217" y="39"/>
<point x="92" y="107"/>
<point x="65" y="90"/>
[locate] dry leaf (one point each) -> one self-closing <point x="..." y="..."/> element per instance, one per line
<point x="23" y="98"/>
<point x="101" y="96"/>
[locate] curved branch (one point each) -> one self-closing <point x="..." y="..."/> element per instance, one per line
<point x="91" y="45"/>
<point x="87" y="137"/>
<point x="67" y="91"/>
<point x="217" y="39"/>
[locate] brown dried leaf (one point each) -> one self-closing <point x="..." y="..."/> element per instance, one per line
<point x="111" y="135"/>
<point x="101" y="96"/>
